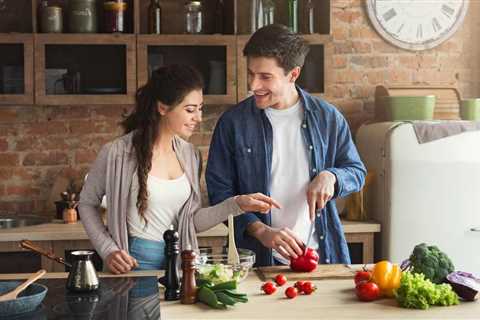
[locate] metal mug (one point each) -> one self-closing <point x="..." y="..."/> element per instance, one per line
<point x="82" y="276"/>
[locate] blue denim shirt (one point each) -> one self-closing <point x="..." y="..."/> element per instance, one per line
<point x="240" y="160"/>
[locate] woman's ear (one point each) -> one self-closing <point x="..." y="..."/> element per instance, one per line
<point x="162" y="109"/>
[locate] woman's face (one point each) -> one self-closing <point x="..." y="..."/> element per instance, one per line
<point x="182" y="118"/>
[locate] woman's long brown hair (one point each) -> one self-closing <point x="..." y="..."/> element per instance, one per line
<point x="168" y="85"/>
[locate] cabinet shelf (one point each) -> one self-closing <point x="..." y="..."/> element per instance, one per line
<point x="16" y="69"/>
<point x="213" y="55"/>
<point x="92" y="68"/>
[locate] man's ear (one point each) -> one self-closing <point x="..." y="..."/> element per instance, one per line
<point x="294" y="74"/>
<point x="162" y="109"/>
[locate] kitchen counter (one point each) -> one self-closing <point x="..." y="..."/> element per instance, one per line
<point x="334" y="299"/>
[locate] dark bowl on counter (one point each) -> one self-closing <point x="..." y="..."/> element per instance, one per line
<point x="27" y="301"/>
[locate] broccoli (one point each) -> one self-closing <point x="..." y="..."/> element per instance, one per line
<point x="430" y="261"/>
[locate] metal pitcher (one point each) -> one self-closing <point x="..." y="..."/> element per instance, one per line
<point x="82" y="276"/>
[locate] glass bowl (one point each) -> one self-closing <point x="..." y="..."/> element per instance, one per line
<point x="215" y="267"/>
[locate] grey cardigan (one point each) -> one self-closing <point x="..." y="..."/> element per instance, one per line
<point x="111" y="174"/>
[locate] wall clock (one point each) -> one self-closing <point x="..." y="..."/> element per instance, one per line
<point x="416" y="24"/>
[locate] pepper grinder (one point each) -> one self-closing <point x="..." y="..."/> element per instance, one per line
<point x="189" y="288"/>
<point x="172" y="250"/>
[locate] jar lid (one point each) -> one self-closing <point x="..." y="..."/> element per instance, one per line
<point x="113" y="5"/>
<point x="194" y="4"/>
<point x="53" y="8"/>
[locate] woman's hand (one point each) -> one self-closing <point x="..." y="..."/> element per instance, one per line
<point x="120" y="262"/>
<point x="256" y="202"/>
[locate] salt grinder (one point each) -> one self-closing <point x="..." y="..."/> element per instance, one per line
<point x="172" y="250"/>
<point x="189" y="288"/>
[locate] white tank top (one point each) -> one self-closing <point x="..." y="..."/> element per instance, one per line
<point x="165" y="199"/>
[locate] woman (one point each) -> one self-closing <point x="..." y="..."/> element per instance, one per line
<point x="151" y="178"/>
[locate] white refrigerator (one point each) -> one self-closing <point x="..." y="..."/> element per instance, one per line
<point x="426" y="192"/>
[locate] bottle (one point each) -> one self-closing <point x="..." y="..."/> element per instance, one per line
<point x="309" y="17"/>
<point x="219" y="17"/>
<point x="293" y="15"/>
<point x="188" y="293"/>
<point x="172" y="249"/>
<point x="193" y="17"/>
<point x="114" y="14"/>
<point x="268" y="12"/>
<point x="154" y="17"/>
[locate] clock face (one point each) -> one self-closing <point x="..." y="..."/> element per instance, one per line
<point x="416" y="24"/>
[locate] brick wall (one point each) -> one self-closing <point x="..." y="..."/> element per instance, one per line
<point x="40" y="143"/>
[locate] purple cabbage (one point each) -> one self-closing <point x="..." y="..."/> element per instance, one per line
<point x="465" y="285"/>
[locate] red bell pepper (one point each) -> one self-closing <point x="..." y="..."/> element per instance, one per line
<point x="306" y="262"/>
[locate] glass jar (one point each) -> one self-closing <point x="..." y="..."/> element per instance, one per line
<point x="82" y="16"/>
<point x="114" y="16"/>
<point x="293" y="15"/>
<point x="309" y="17"/>
<point x="51" y="19"/>
<point x="193" y="17"/>
<point x="268" y="12"/>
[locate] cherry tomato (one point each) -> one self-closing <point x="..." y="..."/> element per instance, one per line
<point x="308" y="287"/>
<point x="361" y="276"/>
<point x="299" y="286"/>
<point x="269" y="287"/>
<point x="280" y="279"/>
<point x="367" y="291"/>
<point x="291" y="292"/>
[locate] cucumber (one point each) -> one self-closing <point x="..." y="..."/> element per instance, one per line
<point x="229" y="285"/>
<point x="208" y="297"/>
<point x="225" y="299"/>
<point x="239" y="297"/>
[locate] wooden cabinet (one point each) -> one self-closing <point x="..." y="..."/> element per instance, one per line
<point x="101" y="68"/>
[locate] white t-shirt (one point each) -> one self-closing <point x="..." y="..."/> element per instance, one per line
<point x="165" y="199"/>
<point x="290" y="173"/>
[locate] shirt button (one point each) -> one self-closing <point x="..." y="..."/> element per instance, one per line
<point x="310" y="147"/>
<point x="327" y="260"/>
<point x="249" y="150"/>
<point x="314" y="170"/>
<point x="321" y="237"/>
<point x="304" y="126"/>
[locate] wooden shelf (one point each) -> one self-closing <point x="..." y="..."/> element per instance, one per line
<point x="42" y="41"/>
<point x="223" y="43"/>
<point x="25" y="40"/>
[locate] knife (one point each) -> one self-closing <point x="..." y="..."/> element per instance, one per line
<point x="310" y="233"/>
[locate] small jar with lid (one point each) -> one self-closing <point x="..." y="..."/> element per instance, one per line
<point x="114" y="16"/>
<point x="193" y="17"/>
<point x="51" y="19"/>
<point x="82" y="16"/>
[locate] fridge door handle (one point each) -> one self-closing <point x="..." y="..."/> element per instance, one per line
<point x="475" y="229"/>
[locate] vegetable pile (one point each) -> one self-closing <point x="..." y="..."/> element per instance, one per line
<point x="217" y="273"/>
<point x="417" y="292"/>
<point x="430" y="261"/>
<point x="221" y="295"/>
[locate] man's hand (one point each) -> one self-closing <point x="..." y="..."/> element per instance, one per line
<point x="120" y="262"/>
<point x="256" y="202"/>
<point x="283" y="240"/>
<point x="320" y="191"/>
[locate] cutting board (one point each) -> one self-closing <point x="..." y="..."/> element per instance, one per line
<point x="324" y="271"/>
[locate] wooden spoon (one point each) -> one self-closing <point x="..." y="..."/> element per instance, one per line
<point x="14" y="293"/>
<point x="232" y="257"/>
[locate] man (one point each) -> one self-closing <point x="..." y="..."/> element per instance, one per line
<point x="290" y="145"/>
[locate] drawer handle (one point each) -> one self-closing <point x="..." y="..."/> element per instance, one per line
<point x="475" y="229"/>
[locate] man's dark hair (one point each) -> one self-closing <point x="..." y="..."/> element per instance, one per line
<point x="277" y="41"/>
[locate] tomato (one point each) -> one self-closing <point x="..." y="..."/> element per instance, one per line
<point x="308" y="287"/>
<point x="280" y="279"/>
<point x="299" y="285"/>
<point x="367" y="291"/>
<point x="269" y="287"/>
<point x="291" y="292"/>
<point x="361" y="276"/>
<point x="306" y="262"/>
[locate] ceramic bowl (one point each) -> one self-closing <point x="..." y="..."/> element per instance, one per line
<point x="27" y="301"/>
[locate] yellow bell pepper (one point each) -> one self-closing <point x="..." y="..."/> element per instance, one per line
<point x="387" y="276"/>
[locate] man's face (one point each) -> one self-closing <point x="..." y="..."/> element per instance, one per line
<point x="269" y="83"/>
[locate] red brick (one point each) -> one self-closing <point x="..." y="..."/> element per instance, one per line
<point x="57" y="143"/>
<point x="27" y="143"/>
<point x="5" y="174"/>
<point x="26" y="191"/>
<point x="70" y="112"/>
<point x="17" y="206"/>
<point x="85" y="156"/>
<point x="3" y="145"/>
<point x="370" y="62"/>
<point x="9" y="159"/>
<point x="110" y="112"/>
<point x="7" y="115"/>
<point x="339" y="62"/>
<point x="363" y="32"/>
<point x="82" y="126"/>
<point x="347" y="76"/>
<point x="384" y="47"/>
<point x="361" y="47"/>
<point x="8" y="130"/>
<point x="338" y="91"/>
<point x="377" y="77"/>
<point x="400" y="76"/>
<point x="340" y="33"/>
<point x="45" y="159"/>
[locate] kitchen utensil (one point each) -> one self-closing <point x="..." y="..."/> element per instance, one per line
<point x="207" y="262"/>
<point x="14" y="293"/>
<point x="310" y="233"/>
<point x="27" y="244"/>
<point x="82" y="276"/>
<point x="26" y="302"/>
<point x="323" y="271"/>
<point x="233" y="257"/>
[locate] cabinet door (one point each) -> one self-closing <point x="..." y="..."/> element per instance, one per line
<point x="213" y="56"/>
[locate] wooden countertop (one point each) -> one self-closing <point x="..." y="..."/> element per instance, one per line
<point x="58" y="230"/>
<point x="334" y="299"/>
